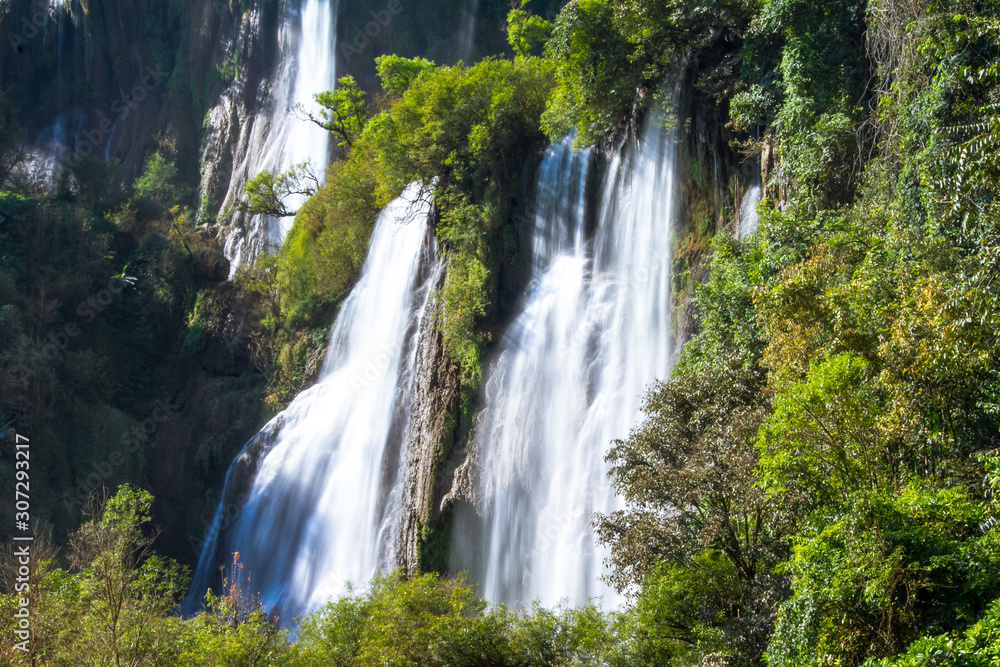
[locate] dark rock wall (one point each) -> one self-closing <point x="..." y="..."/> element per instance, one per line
<point x="431" y="431"/>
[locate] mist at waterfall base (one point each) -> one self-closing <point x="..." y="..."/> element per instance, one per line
<point x="321" y="507"/>
<point x="569" y="375"/>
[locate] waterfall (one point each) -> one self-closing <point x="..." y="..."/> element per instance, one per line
<point x="569" y="374"/>
<point x="322" y="503"/>
<point x="748" y="210"/>
<point x="50" y="146"/>
<point x="274" y="136"/>
<point x="468" y="17"/>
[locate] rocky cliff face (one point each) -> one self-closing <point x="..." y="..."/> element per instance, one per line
<point x="232" y="137"/>
<point x="431" y="432"/>
<point x="107" y="80"/>
<point x="442" y="466"/>
<point x="714" y="177"/>
<point x="216" y="405"/>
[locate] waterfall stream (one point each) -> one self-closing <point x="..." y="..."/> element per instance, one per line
<point x="749" y="220"/>
<point x="276" y="136"/>
<point x="321" y="507"/>
<point x="321" y="484"/>
<point x="468" y="16"/>
<point x="569" y="375"/>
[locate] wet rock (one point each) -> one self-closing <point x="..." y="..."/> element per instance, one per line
<point x="431" y="432"/>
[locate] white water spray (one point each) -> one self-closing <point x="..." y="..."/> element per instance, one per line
<point x="569" y="377"/>
<point x="279" y="137"/>
<point x="323" y="505"/>
<point x="469" y="15"/>
<point x="749" y="220"/>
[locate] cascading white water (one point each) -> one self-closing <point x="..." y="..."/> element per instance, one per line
<point x="52" y="145"/>
<point x="321" y="509"/>
<point x="749" y="220"/>
<point x="279" y="137"/>
<point x="569" y="377"/>
<point x="468" y="17"/>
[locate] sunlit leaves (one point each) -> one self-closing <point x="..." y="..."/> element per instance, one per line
<point x="398" y="73"/>
<point x="821" y="441"/>
<point x="526" y="33"/>
<point x="268" y="193"/>
<point x="342" y="111"/>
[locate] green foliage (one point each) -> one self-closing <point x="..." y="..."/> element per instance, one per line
<point x="410" y="620"/>
<point x="195" y="338"/>
<point x="609" y="56"/>
<point x="871" y="579"/>
<point x="821" y="440"/>
<point x="266" y="192"/>
<point x="435" y="542"/>
<point x="342" y="111"/>
<point x="978" y="645"/>
<point x="820" y="159"/>
<point x="313" y="272"/>
<point x="592" y="94"/>
<point x="866" y="306"/>
<point x="125" y="589"/>
<point x="696" y="534"/>
<point x="461" y="125"/>
<point x="465" y="300"/>
<point x="115" y="606"/>
<point x="681" y="616"/>
<point x="465" y="132"/>
<point x="397" y="73"/>
<point x="112" y="609"/>
<point x="157" y="183"/>
<point x="229" y="68"/>
<point x="880" y="381"/>
<point x="526" y="33"/>
<point x="431" y="621"/>
<point x="85" y="347"/>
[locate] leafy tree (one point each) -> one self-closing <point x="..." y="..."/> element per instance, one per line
<point x="439" y="622"/>
<point x="125" y="588"/>
<point x="268" y="193"/>
<point x="342" y="111"/>
<point x="526" y="33"/>
<point x="872" y="578"/>
<point x="641" y="44"/>
<point x="697" y="534"/>
<point x="157" y="183"/>
<point x="398" y="73"/>
<point x="977" y="645"/>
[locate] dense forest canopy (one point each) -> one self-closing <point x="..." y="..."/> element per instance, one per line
<point x="814" y="484"/>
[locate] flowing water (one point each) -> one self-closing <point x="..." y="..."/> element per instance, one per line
<point x="749" y="219"/>
<point x="569" y="375"/>
<point x="277" y="136"/>
<point x="322" y="502"/>
<point x="314" y="500"/>
<point x="468" y="16"/>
